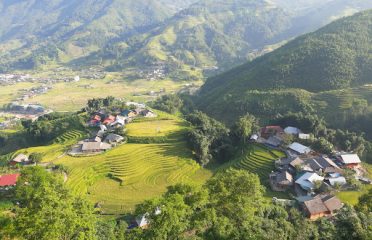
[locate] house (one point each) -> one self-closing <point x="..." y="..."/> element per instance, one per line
<point x="254" y="137"/>
<point x="320" y="164"/>
<point x="304" y="136"/>
<point x="273" y="141"/>
<point x="321" y="206"/>
<point x="114" y="138"/>
<point x="20" y="159"/>
<point x="95" y="121"/>
<point x="148" y="114"/>
<point x="268" y="131"/>
<point x="94" y="147"/>
<point x="120" y="122"/>
<point x="315" y="208"/>
<point x="9" y="180"/>
<point x="296" y="162"/>
<point x="125" y="113"/>
<point x="350" y="160"/>
<point x="281" y="181"/>
<point x="299" y="148"/>
<point x="142" y="221"/>
<point x="132" y="114"/>
<point x="337" y="181"/>
<point x="307" y="181"/>
<point x="110" y="119"/>
<point x="292" y="130"/>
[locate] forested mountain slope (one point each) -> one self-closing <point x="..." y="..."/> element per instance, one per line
<point x="35" y="31"/>
<point x="334" y="57"/>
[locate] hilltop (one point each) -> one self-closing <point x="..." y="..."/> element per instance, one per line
<point x="334" y="57"/>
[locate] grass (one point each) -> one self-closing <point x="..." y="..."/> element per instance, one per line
<point x="352" y="197"/>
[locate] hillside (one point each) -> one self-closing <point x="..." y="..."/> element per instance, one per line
<point x="221" y="34"/>
<point x="186" y="37"/>
<point x="334" y="57"/>
<point x="34" y="32"/>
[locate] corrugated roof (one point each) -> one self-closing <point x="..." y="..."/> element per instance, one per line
<point x="350" y="158"/>
<point x="8" y="180"/>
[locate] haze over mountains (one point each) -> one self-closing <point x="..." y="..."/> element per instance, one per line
<point x="124" y="33"/>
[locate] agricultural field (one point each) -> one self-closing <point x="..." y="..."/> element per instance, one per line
<point x="257" y="159"/>
<point x="52" y="151"/>
<point x="331" y="102"/>
<point x="133" y="172"/>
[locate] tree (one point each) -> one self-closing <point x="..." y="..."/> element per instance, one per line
<point x="36" y="157"/>
<point x="168" y="103"/>
<point x="208" y="138"/>
<point x="365" y="202"/>
<point x="244" y="127"/>
<point x="47" y="210"/>
<point x="353" y="225"/>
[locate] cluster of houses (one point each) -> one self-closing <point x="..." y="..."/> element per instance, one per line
<point x="10" y="79"/>
<point x="153" y="73"/>
<point x="311" y="176"/>
<point x="32" y="92"/>
<point x="104" y="139"/>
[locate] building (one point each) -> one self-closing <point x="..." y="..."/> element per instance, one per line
<point x="269" y="131"/>
<point x="304" y="136"/>
<point x="148" y="114"/>
<point x="8" y="181"/>
<point x="20" y="159"/>
<point x="281" y="181"/>
<point x="299" y="148"/>
<point x="114" y="138"/>
<point x="110" y="119"/>
<point x="350" y="160"/>
<point x="94" y="147"/>
<point x="322" y="206"/>
<point x="292" y="131"/>
<point x="307" y="181"/>
<point x="273" y="141"/>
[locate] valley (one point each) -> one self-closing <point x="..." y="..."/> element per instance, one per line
<point x="185" y="119"/>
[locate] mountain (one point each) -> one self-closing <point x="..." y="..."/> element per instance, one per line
<point x="209" y="33"/>
<point x="335" y="57"/>
<point x="185" y="36"/>
<point x="222" y="34"/>
<point x="33" y="31"/>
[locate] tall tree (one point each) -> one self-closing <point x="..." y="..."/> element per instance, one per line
<point x="47" y="210"/>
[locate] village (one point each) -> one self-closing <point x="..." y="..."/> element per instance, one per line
<point x="311" y="177"/>
<point x="110" y="126"/>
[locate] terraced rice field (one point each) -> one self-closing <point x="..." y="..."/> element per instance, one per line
<point x="343" y="99"/>
<point x="53" y="151"/>
<point x="131" y="173"/>
<point x="138" y="172"/>
<point x="156" y="128"/>
<point x="257" y="159"/>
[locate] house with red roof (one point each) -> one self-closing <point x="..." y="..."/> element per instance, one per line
<point x="270" y="131"/>
<point x="110" y="119"/>
<point x="9" y="180"/>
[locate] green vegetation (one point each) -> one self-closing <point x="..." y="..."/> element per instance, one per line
<point x="318" y="61"/>
<point x="256" y="159"/>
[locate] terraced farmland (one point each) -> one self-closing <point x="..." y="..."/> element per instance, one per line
<point x="131" y="173"/>
<point x="257" y="159"/>
<point x="53" y="151"/>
